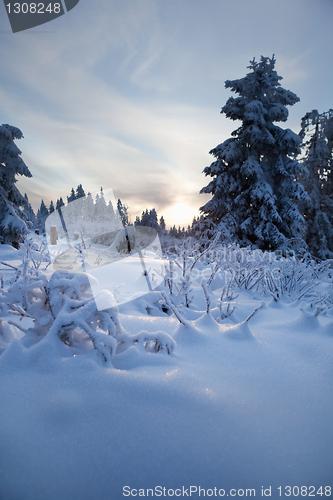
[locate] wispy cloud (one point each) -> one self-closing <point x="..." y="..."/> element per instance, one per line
<point x="128" y="95"/>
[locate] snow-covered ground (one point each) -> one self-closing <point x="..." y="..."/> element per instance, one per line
<point x="237" y="405"/>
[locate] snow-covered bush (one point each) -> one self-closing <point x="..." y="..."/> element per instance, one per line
<point x="225" y="301"/>
<point x="180" y="284"/>
<point x="155" y="342"/>
<point x="37" y="304"/>
<point x="62" y="305"/>
<point x="191" y="276"/>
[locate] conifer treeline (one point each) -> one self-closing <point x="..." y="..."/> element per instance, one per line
<point x="269" y="186"/>
<point x="148" y="217"/>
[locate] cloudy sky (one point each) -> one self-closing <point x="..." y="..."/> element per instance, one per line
<point x="126" y="94"/>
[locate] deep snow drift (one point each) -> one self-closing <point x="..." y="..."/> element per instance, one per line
<point x="236" y="405"/>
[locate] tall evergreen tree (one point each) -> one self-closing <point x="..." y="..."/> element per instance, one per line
<point x="80" y="192"/>
<point x="317" y="129"/>
<point x="101" y="210"/>
<point x="254" y="186"/>
<point x="204" y="228"/>
<point x="123" y="212"/>
<point x="72" y="196"/>
<point x="60" y="203"/>
<point x="42" y="214"/>
<point x="29" y="214"/>
<point x="153" y="220"/>
<point x="111" y="213"/>
<point x="89" y="207"/>
<point x="144" y="217"/>
<point x="12" y="225"/>
<point x="162" y="224"/>
<point x="137" y="221"/>
<point x="51" y="207"/>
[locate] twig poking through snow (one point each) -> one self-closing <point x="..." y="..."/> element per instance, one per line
<point x="17" y="310"/>
<point x="228" y="296"/>
<point x="5" y="264"/>
<point x="307" y="290"/>
<point x="206" y="294"/>
<point x="210" y="247"/>
<point x="173" y="309"/>
<point x="17" y="326"/>
<point x="253" y="313"/>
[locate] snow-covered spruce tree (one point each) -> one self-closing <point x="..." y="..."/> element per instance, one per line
<point x="204" y="229"/>
<point x="72" y="196"/>
<point x="80" y="192"/>
<point x="60" y="203"/>
<point x="100" y="208"/>
<point x="123" y="212"/>
<point x="317" y="129"/>
<point x="254" y="186"/>
<point x="12" y="225"/>
<point x="162" y="225"/>
<point x="153" y="219"/>
<point x="29" y="214"/>
<point x="42" y="214"/>
<point x="140" y="221"/>
<point x="51" y="208"/>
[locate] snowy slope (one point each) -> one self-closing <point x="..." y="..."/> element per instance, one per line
<point x="237" y="405"/>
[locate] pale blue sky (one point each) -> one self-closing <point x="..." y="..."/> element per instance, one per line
<point x="127" y="94"/>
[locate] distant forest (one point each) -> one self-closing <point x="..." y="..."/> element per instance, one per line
<point x="270" y="187"/>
